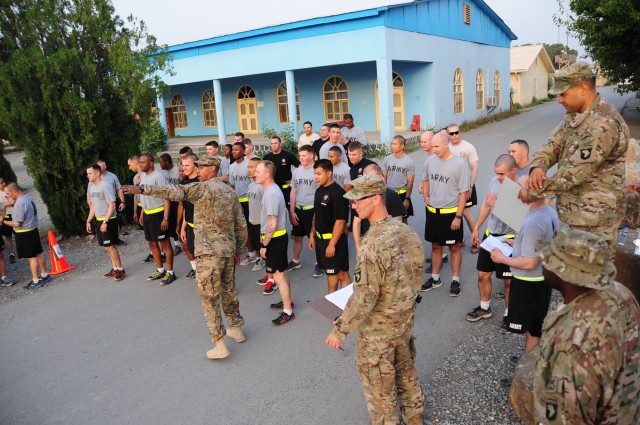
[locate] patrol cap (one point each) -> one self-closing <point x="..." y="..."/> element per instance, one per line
<point x="578" y="257"/>
<point x="207" y="161"/>
<point x="364" y="186"/>
<point x="574" y="73"/>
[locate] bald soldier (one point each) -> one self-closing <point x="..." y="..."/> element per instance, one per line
<point x="589" y="147"/>
<point x="387" y="279"/>
<point x="588" y="369"/>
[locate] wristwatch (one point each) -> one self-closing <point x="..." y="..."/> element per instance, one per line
<point x="141" y="188"/>
<point x="458" y="216"/>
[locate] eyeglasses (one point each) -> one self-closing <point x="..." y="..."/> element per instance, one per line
<point x="454" y="133"/>
<point x="355" y="201"/>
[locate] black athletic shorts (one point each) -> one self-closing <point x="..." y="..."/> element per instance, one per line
<point x="245" y="210"/>
<point x="339" y="262"/>
<point x="305" y="220"/>
<point x="109" y="237"/>
<point x="286" y="192"/>
<point x="5" y="230"/>
<point x="191" y="237"/>
<point x="173" y="220"/>
<point x="254" y="235"/>
<point x="28" y="243"/>
<point x="276" y="260"/>
<point x="409" y="213"/>
<point x="152" y="230"/>
<point x="438" y="229"/>
<point x="528" y="306"/>
<point x="474" y="198"/>
<point x="1" y="245"/>
<point x="486" y="264"/>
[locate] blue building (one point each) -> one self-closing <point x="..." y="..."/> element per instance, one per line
<point x="442" y="60"/>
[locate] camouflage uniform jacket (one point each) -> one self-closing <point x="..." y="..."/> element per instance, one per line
<point x="589" y="149"/>
<point x="587" y="372"/>
<point x="387" y="279"/>
<point x="219" y="225"/>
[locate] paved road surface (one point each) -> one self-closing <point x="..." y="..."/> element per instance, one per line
<point x="95" y="352"/>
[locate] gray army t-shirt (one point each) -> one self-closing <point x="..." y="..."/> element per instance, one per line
<point x="101" y="195"/>
<point x="397" y="170"/>
<point x="447" y="180"/>
<point x="273" y="204"/>
<point x="305" y="185"/>
<point x="324" y="151"/>
<point x="341" y="174"/>
<point x="494" y="224"/>
<point x="540" y="224"/>
<point x="255" y="202"/>
<point x="25" y="212"/>
<point x="155" y="178"/>
<point x="239" y="177"/>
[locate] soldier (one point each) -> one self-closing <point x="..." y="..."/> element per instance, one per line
<point x="588" y="370"/>
<point x="589" y="147"/>
<point x="187" y="234"/>
<point x="399" y="171"/>
<point x="220" y="239"/>
<point x="387" y="281"/>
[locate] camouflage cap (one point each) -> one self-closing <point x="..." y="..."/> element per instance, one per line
<point x="371" y="184"/>
<point x="574" y="73"/>
<point x="208" y="161"/>
<point x="578" y="257"/>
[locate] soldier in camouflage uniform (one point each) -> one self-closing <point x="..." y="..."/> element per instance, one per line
<point x="220" y="239"/>
<point x="587" y="372"/>
<point x="589" y="147"/>
<point x="387" y="280"/>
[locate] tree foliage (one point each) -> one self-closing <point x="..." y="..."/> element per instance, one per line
<point x="76" y="85"/>
<point x="6" y="172"/>
<point x="610" y="32"/>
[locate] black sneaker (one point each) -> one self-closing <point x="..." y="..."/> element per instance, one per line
<point x="455" y="289"/>
<point x="430" y="284"/>
<point x="293" y="265"/>
<point x="168" y="279"/>
<point x="118" y="275"/>
<point x="270" y="288"/>
<point x="191" y="274"/>
<point x="505" y="382"/>
<point x="177" y="250"/>
<point x="505" y="323"/>
<point x="514" y="360"/>
<point x="155" y="276"/>
<point x="445" y="259"/>
<point x="479" y="313"/>
<point x="279" y="306"/>
<point x="263" y="281"/>
<point x="163" y="257"/>
<point x="5" y="281"/>
<point x="429" y="269"/>
<point x="283" y="318"/>
<point x="109" y="274"/>
<point x="148" y="259"/>
<point x="120" y="242"/>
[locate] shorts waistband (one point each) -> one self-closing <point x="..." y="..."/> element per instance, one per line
<point x="24" y="230"/>
<point x="304" y="207"/>
<point x="244" y="199"/>
<point x="154" y="211"/>
<point x="286" y="186"/>
<point x="442" y="210"/>
<point x="7" y="216"/>
<point x="190" y="224"/>
<point x="324" y="235"/>
<point x="401" y="191"/>
<point x="276" y="234"/>
<point x="529" y="279"/>
<point x="103" y="218"/>
<point x="507" y="236"/>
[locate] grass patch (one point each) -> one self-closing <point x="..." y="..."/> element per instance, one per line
<point x="488" y="119"/>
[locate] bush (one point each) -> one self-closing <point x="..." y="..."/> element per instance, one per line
<point x="153" y="138"/>
<point x="6" y="172"/>
<point x="289" y="142"/>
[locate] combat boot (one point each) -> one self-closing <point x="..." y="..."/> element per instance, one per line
<point x="236" y="334"/>
<point x="220" y="351"/>
<point x="413" y="420"/>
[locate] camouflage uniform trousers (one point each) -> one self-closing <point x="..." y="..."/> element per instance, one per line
<point x="388" y="374"/>
<point x="608" y="233"/>
<point x="215" y="281"/>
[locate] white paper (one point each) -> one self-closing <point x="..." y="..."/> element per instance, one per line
<point x="508" y="207"/>
<point x="492" y="242"/>
<point x="341" y="296"/>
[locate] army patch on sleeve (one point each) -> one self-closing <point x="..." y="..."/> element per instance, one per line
<point x="585" y="153"/>
<point x="552" y="409"/>
<point x="356" y="275"/>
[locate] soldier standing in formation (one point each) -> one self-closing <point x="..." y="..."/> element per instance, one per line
<point x="589" y="147"/>
<point x="220" y="238"/>
<point x="387" y="280"/>
<point x="588" y="370"/>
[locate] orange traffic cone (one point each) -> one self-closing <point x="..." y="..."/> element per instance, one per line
<point x="58" y="262"/>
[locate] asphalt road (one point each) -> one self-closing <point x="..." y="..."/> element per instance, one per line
<point x="92" y="351"/>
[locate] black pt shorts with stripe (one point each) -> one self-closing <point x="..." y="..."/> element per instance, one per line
<point x="438" y="229"/>
<point x="152" y="230"/>
<point x="339" y="262"/>
<point x="28" y="243"/>
<point x="109" y="237"/>
<point x="528" y="306"/>
<point x="276" y="258"/>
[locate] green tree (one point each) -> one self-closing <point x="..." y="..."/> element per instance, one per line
<point x="6" y="172"/>
<point x="558" y="49"/>
<point x="610" y="33"/>
<point x="76" y="85"/>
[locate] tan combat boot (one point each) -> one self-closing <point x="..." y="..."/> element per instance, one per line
<point x="236" y="334"/>
<point x="220" y="351"/>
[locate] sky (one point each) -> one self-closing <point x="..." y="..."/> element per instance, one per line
<point x="182" y="21"/>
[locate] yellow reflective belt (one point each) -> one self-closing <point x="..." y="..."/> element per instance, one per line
<point x="529" y="279"/>
<point x="507" y="236"/>
<point x="155" y="210"/>
<point x="275" y="234"/>
<point x="245" y="199"/>
<point x="102" y="219"/>
<point x="324" y="235"/>
<point x="24" y="230"/>
<point x="139" y="204"/>
<point x="442" y="210"/>
<point x="286" y="186"/>
<point x="255" y="224"/>
<point x="190" y="224"/>
<point x="401" y="191"/>
<point x="305" y="207"/>
<point x="8" y="216"/>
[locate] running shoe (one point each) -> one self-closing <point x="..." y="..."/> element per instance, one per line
<point x="283" y="318"/>
<point x="191" y="274"/>
<point x="12" y="259"/>
<point x="45" y="279"/>
<point x="279" y="306"/>
<point x="270" y="288"/>
<point x="430" y="284"/>
<point x="293" y="265"/>
<point x="317" y="271"/>
<point x="263" y="280"/>
<point x="258" y="265"/>
<point x="109" y="274"/>
<point x="148" y="259"/>
<point x="155" y="276"/>
<point x="248" y="260"/>
<point x="177" y="250"/>
<point x="499" y="295"/>
<point x="5" y="281"/>
<point x="119" y="275"/>
<point x="168" y="279"/>
<point x="455" y="289"/>
<point x="478" y="313"/>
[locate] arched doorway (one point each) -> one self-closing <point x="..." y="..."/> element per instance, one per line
<point x="399" y="122"/>
<point x="247" y="110"/>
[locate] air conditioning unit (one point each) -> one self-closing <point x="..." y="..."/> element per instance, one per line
<point x="492" y="101"/>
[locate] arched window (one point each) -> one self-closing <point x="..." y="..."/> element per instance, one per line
<point x="496" y="87"/>
<point x="209" y="109"/>
<point x="179" y="111"/>
<point x="336" y="99"/>
<point x="479" y="89"/>
<point x="283" y="103"/>
<point x="458" y="92"/>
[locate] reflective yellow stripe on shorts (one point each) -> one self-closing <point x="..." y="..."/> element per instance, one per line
<point x="286" y="186"/>
<point x="442" y="210"/>
<point x="529" y="279"/>
<point x="324" y="235"/>
<point x="7" y="216"/>
<point x="401" y="191"/>
<point x="305" y="207"/>
<point x="190" y="224"/>
<point x="102" y="218"/>
<point x="155" y="210"/>
<point x="24" y="230"/>
<point x="244" y="199"/>
<point x="139" y="204"/>
<point x="275" y="234"/>
<point x="507" y="236"/>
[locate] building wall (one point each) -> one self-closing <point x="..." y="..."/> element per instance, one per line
<point x="532" y="83"/>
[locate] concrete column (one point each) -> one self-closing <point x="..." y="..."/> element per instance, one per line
<point x="385" y="99"/>
<point x="222" y="130"/>
<point x="291" y="103"/>
<point x="162" y="118"/>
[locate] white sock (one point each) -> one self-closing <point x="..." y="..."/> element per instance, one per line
<point x="289" y="312"/>
<point x="193" y="264"/>
<point x="444" y="255"/>
<point x="170" y="271"/>
<point x="271" y="280"/>
<point x="455" y="278"/>
<point x="176" y="243"/>
<point x="435" y="276"/>
<point x="485" y="305"/>
<point x="161" y="270"/>
<point x="252" y="254"/>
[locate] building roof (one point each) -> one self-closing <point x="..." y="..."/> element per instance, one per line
<point x="522" y="57"/>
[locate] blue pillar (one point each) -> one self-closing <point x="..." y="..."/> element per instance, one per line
<point x="161" y="114"/>
<point x="385" y="99"/>
<point x="291" y="103"/>
<point x="222" y="130"/>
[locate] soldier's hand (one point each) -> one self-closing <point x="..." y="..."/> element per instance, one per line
<point x="455" y="224"/>
<point x="263" y="253"/>
<point x="497" y="256"/>
<point x="312" y="243"/>
<point x="330" y="251"/>
<point x="238" y="259"/>
<point x="406" y="203"/>
<point x="490" y="199"/>
<point x="183" y="236"/>
<point x="294" y="218"/>
<point x="474" y="237"/>
<point x="142" y="220"/>
<point x="88" y="228"/>
<point x="522" y="195"/>
<point x="333" y="341"/>
<point x="164" y="225"/>
<point x="131" y="190"/>
<point x="537" y="178"/>
<point x="121" y="207"/>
